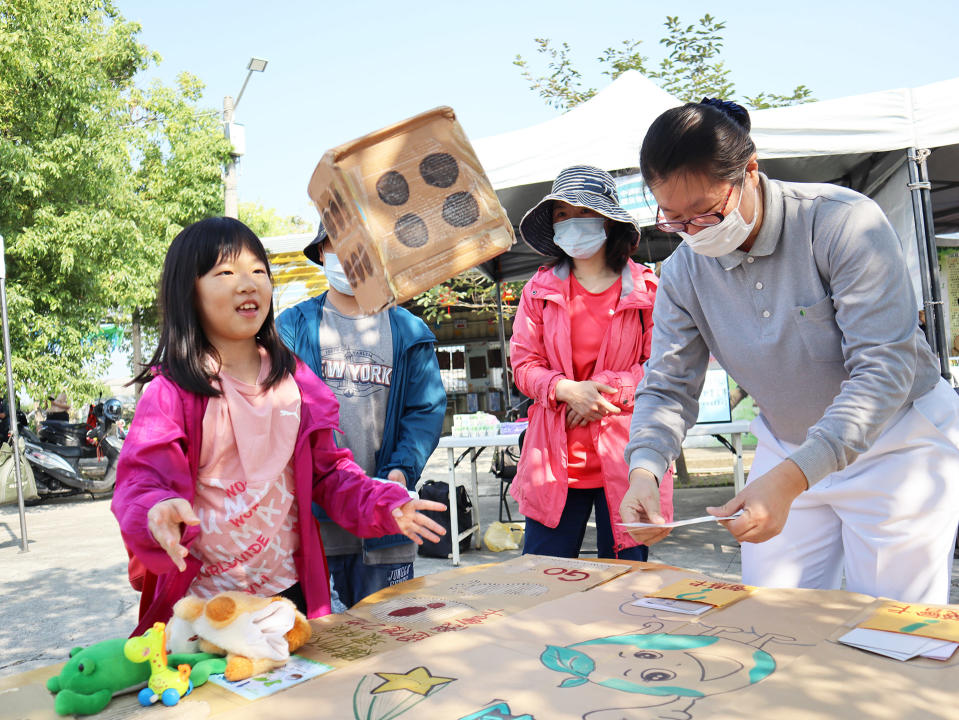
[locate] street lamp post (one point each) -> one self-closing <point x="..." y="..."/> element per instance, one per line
<point x="237" y="137"/>
<point x="11" y="408"/>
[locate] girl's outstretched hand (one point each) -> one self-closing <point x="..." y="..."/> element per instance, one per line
<point x="415" y="525"/>
<point x="164" y="520"/>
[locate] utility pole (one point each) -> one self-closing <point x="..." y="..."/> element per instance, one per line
<point x="12" y="399"/>
<point x="230" y="208"/>
<point x="237" y="138"/>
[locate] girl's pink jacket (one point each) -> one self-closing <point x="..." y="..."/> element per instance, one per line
<point x="541" y="355"/>
<point x="159" y="461"/>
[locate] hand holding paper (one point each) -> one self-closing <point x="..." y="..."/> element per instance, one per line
<point x="641" y="505"/>
<point x="764" y="504"/>
<point x="680" y="523"/>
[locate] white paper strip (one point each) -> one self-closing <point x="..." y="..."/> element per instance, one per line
<point x="680" y="523"/>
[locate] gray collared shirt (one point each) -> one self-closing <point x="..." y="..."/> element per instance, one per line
<point x="817" y="322"/>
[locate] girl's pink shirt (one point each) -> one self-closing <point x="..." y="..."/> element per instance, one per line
<point x="161" y="458"/>
<point x="245" y="490"/>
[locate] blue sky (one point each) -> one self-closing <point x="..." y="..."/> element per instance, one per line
<point x="338" y="70"/>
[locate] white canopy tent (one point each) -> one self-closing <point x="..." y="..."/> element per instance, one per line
<point x="863" y="141"/>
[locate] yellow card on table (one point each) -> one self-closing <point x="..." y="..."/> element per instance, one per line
<point x="933" y="621"/>
<point x="709" y="592"/>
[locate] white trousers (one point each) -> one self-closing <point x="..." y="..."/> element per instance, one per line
<point x="888" y="520"/>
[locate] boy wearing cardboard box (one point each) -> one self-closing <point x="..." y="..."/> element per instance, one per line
<point x="383" y="369"/>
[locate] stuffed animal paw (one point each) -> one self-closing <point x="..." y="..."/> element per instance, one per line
<point x="256" y="634"/>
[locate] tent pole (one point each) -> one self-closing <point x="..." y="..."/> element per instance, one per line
<point x="920" y="187"/>
<point x="12" y="399"/>
<point x="507" y="395"/>
<point x="921" y="248"/>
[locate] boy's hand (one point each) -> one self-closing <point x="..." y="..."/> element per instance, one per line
<point x="417" y="526"/>
<point x="164" y="520"/>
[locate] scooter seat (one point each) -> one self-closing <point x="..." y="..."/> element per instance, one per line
<point x="66" y="451"/>
<point x="60" y="432"/>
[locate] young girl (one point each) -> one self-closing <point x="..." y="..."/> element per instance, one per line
<point x="233" y="440"/>
<point x="580" y="337"/>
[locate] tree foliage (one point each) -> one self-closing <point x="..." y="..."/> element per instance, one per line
<point x="267" y="222"/>
<point x="691" y="69"/>
<point x="470" y="291"/>
<point x="96" y="176"/>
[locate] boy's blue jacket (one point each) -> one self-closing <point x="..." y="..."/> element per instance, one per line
<point x="417" y="400"/>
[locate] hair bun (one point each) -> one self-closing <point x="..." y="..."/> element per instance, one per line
<point x="736" y="112"/>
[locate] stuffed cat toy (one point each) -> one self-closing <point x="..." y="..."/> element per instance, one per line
<point x="256" y="634"/>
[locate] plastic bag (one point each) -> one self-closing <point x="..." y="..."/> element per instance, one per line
<point x="8" y="478"/>
<point x="503" y="536"/>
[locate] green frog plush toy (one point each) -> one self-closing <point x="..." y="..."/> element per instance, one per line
<point x="89" y="680"/>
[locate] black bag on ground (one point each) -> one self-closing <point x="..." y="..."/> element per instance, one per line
<point x="504" y="463"/>
<point x="439" y="492"/>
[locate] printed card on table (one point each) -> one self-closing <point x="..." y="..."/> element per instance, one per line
<point x="708" y="592"/>
<point x="296" y="670"/>
<point x="940" y="622"/>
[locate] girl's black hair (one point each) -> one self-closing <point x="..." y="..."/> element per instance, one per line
<point x="621" y="242"/>
<point x="711" y="137"/>
<point x="183" y="348"/>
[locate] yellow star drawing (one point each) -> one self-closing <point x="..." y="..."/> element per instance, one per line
<point x="417" y="680"/>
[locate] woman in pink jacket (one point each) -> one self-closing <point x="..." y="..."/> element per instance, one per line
<point x="580" y="337"/>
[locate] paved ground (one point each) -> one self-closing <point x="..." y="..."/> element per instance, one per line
<point x="70" y="588"/>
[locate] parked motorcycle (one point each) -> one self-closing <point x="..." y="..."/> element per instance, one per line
<point x="73" y="458"/>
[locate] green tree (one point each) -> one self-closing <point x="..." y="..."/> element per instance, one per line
<point x="178" y="153"/>
<point x="691" y="69"/>
<point x="96" y="176"/>
<point x="267" y="222"/>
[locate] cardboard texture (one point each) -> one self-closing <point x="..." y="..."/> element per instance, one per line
<point x="597" y="656"/>
<point x="449" y="602"/>
<point x="408" y="207"/>
<point x="465" y="599"/>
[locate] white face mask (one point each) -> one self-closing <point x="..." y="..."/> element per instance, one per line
<point x="722" y="239"/>
<point x="580" y="238"/>
<point x="335" y="275"/>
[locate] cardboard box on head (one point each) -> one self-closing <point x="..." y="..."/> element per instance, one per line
<point x="408" y="207"/>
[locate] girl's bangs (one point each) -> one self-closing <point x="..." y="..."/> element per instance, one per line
<point x="216" y="247"/>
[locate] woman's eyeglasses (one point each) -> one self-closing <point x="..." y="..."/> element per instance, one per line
<point x="705" y="220"/>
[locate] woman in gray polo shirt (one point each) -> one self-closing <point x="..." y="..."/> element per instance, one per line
<point x="801" y="292"/>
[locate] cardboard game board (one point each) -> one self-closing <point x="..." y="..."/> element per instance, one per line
<point x="449" y="602"/>
<point x="597" y="656"/>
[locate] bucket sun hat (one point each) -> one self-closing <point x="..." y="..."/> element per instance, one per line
<point x="312" y="251"/>
<point x="581" y="186"/>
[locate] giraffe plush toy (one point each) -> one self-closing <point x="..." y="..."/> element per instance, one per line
<point x="165" y="684"/>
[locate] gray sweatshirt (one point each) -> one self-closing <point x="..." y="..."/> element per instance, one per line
<point x="817" y="322"/>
